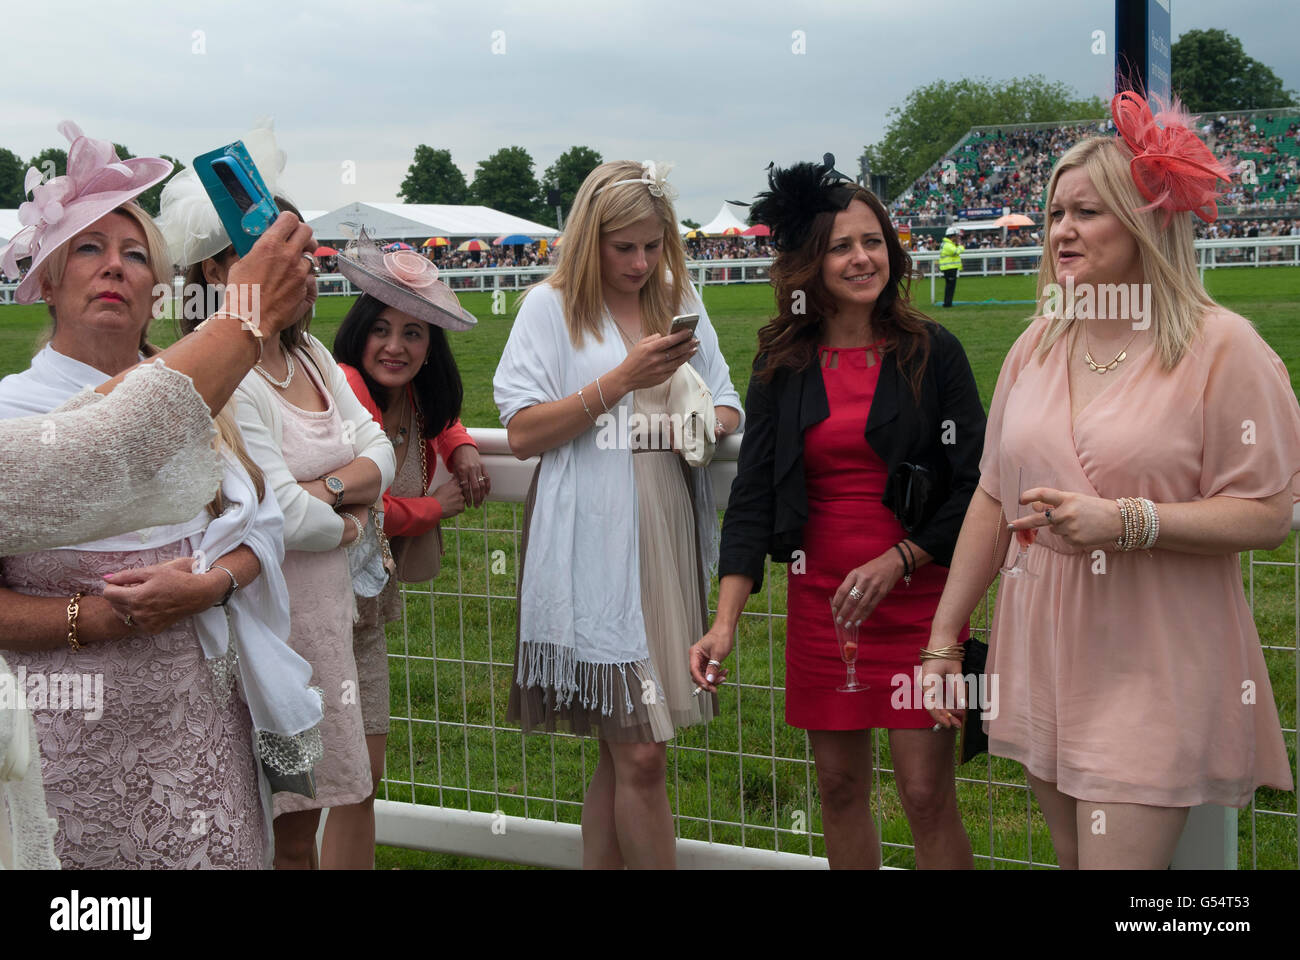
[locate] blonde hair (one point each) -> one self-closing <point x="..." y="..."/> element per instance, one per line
<point x="597" y="212"/>
<point x="228" y="435"/>
<point x="1178" y="300"/>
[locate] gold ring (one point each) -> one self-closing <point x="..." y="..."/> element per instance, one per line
<point x="130" y="620"/>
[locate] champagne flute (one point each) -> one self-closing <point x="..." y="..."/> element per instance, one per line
<point x="1025" y="480"/>
<point x="846" y="635"/>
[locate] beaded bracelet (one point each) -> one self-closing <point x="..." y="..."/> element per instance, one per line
<point x="585" y="407"/>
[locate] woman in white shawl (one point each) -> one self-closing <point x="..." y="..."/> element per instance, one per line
<point x="160" y="770"/>
<point x="613" y="587"/>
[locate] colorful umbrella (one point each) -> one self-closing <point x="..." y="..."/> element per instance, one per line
<point x="437" y="242"/>
<point x="696" y="235"/>
<point x="473" y="245"/>
<point x="398" y="245"/>
<point x="757" y="230"/>
<point x="732" y="232"/>
<point x="1014" y="220"/>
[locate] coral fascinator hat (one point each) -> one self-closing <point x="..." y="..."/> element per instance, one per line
<point x="96" y="183"/>
<point x="1171" y="167"/>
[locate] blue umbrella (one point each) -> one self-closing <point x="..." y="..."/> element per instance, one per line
<point x="398" y="246"/>
<point x="514" y="240"/>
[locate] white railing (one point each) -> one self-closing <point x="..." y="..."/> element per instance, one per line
<point x="992" y="262"/>
<point x="741" y="787"/>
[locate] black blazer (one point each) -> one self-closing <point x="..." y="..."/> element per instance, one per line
<point x="768" y="506"/>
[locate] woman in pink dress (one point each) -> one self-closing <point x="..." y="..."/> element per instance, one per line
<point x="148" y="759"/>
<point x="1131" y="683"/>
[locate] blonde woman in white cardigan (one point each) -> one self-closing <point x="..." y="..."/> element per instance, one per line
<point x="327" y="461"/>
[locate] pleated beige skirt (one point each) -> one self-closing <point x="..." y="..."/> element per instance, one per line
<point x="674" y="603"/>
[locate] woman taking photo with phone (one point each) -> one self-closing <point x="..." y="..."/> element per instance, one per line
<point x="612" y="581"/>
<point x="860" y="455"/>
<point x="168" y="736"/>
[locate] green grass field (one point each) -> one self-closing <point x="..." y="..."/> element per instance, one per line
<point x="451" y="675"/>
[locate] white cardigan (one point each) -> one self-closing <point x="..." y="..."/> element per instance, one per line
<point x="309" y="523"/>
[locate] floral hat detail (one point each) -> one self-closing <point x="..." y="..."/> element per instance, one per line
<point x="96" y="183"/>
<point x="1171" y="166"/>
<point x="405" y="281"/>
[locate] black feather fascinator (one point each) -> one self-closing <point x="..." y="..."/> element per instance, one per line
<point x="795" y="195"/>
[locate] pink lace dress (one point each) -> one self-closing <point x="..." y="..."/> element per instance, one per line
<point x="165" y="778"/>
<point x="321" y="606"/>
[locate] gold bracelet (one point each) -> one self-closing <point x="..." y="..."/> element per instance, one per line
<point x="955" y="651"/>
<point x="73" y="609"/>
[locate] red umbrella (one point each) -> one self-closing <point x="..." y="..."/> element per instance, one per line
<point x="326" y="252"/>
<point x="758" y="230"/>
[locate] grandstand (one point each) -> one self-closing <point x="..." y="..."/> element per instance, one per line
<point x="1009" y="166"/>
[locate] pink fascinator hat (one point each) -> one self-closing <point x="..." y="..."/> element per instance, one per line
<point x="405" y="281"/>
<point x="96" y="183"/>
<point x="1171" y="166"/>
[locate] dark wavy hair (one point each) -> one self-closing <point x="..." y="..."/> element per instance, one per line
<point x="437" y="386"/>
<point x="789" y="340"/>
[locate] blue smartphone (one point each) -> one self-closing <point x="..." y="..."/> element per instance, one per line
<point x="239" y="193"/>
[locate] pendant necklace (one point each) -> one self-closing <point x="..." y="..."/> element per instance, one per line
<point x="1102" y="368"/>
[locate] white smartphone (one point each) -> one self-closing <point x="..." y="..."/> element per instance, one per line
<point x="685" y="321"/>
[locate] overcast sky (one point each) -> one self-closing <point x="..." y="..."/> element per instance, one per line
<point x="714" y="86"/>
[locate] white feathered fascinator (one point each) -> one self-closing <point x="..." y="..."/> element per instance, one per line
<point x="187" y="218"/>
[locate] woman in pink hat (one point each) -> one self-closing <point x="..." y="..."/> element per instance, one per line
<point x="392" y="348"/>
<point x="149" y="760"/>
<point x="327" y="462"/>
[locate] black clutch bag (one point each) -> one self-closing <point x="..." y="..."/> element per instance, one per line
<point x="974" y="740"/>
<point x="909" y="492"/>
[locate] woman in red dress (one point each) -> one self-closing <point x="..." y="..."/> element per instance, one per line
<point x="860" y="455"/>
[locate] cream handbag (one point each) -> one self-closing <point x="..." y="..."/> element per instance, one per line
<point x="690" y="403"/>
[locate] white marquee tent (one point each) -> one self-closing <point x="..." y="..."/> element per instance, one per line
<point x="419" y="221"/>
<point x="722" y="221"/>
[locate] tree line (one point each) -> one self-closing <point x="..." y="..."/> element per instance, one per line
<point x="505" y="181"/>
